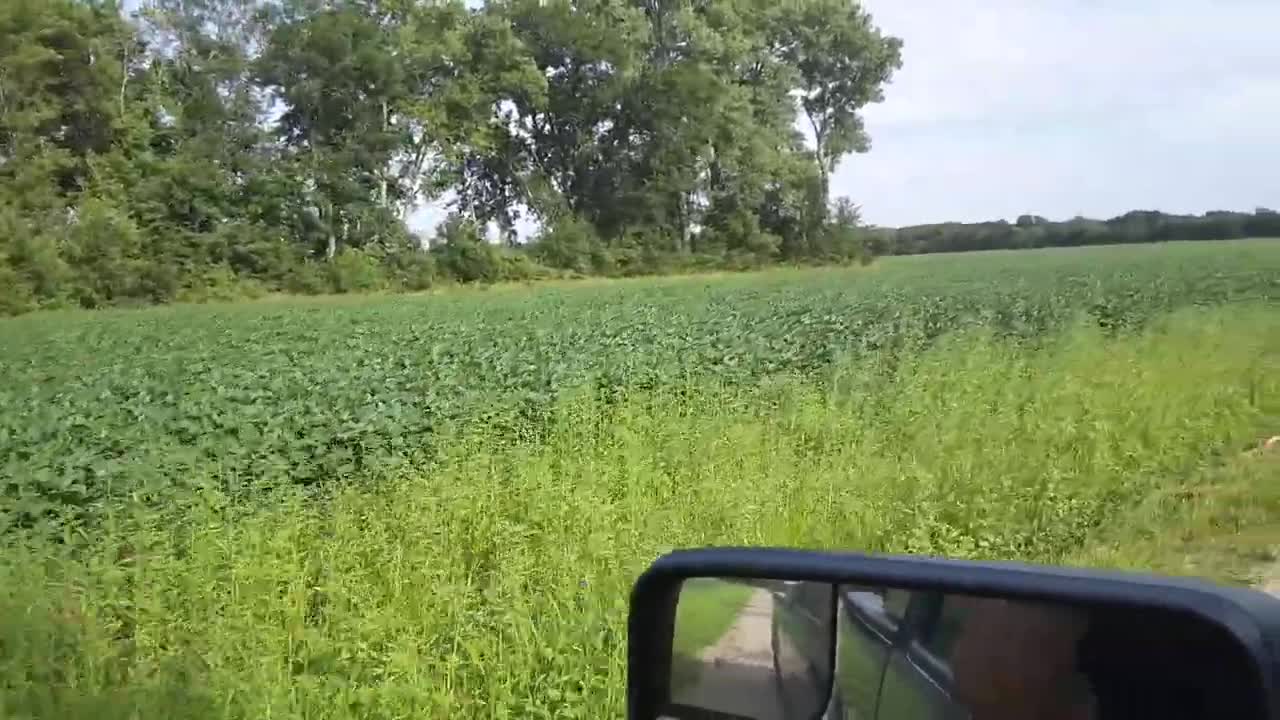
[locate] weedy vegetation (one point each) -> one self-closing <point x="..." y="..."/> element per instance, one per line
<point x="435" y="506"/>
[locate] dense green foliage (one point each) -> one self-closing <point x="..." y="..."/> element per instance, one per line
<point x="492" y="582"/>
<point x="212" y="148"/>
<point x="215" y="149"/>
<point x="1033" y="231"/>
<point x="166" y="401"/>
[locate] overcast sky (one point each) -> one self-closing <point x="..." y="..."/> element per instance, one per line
<point x="1072" y="107"/>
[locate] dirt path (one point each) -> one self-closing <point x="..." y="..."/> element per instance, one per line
<point x="739" y="675"/>
<point x="748" y="640"/>
<point x="1270" y="582"/>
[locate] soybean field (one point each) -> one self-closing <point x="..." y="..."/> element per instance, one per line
<point x="435" y="504"/>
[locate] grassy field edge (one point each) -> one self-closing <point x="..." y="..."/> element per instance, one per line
<point x="492" y="581"/>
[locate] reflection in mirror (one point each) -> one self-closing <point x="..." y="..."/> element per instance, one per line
<point x="756" y="649"/>
<point x="929" y="655"/>
<point x="773" y="650"/>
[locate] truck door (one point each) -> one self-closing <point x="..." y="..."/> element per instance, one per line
<point x="868" y="623"/>
<point x="917" y="681"/>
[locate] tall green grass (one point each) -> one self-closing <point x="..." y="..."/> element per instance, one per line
<point x="493" y="581"/>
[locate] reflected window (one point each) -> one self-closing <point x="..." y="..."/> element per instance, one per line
<point x="886" y="605"/>
<point x="895" y="603"/>
<point x="946" y="628"/>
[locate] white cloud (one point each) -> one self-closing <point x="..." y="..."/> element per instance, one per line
<point x="1072" y="107"/>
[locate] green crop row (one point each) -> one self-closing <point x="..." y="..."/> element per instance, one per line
<point x="493" y="582"/>
<point x="143" y="404"/>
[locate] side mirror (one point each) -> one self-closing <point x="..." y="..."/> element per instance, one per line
<point x="764" y="634"/>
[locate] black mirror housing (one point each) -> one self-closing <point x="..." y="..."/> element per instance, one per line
<point x="1202" y="650"/>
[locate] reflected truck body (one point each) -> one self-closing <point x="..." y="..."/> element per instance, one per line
<point x="894" y="653"/>
<point x="930" y="656"/>
<point x="883" y="667"/>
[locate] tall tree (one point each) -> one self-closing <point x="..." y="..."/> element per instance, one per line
<point x="195" y="133"/>
<point x="566" y="135"/>
<point x="843" y="61"/>
<point x="64" y="70"/>
<point x="338" y="73"/>
<point x="479" y="126"/>
<point x="202" y="143"/>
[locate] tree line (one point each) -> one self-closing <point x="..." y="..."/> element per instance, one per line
<point x="206" y="148"/>
<point x="1033" y="231"/>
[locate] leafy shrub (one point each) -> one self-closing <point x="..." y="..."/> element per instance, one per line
<point x="519" y="267"/>
<point x="843" y="239"/>
<point x="257" y="251"/>
<point x="741" y="260"/>
<point x="354" y="270"/>
<point x="103" y="247"/>
<point x="739" y="233"/>
<point x="32" y="253"/>
<point x="158" y="282"/>
<point x="308" y="278"/>
<point x="571" y="245"/>
<point x="220" y="284"/>
<point x="411" y="269"/>
<point x="639" y="251"/>
<point x="465" y="255"/>
<point x="15" y="295"/>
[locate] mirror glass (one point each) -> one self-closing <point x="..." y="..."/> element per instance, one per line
<point x="775" y="650"/>
<point x="752" y="648"/>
